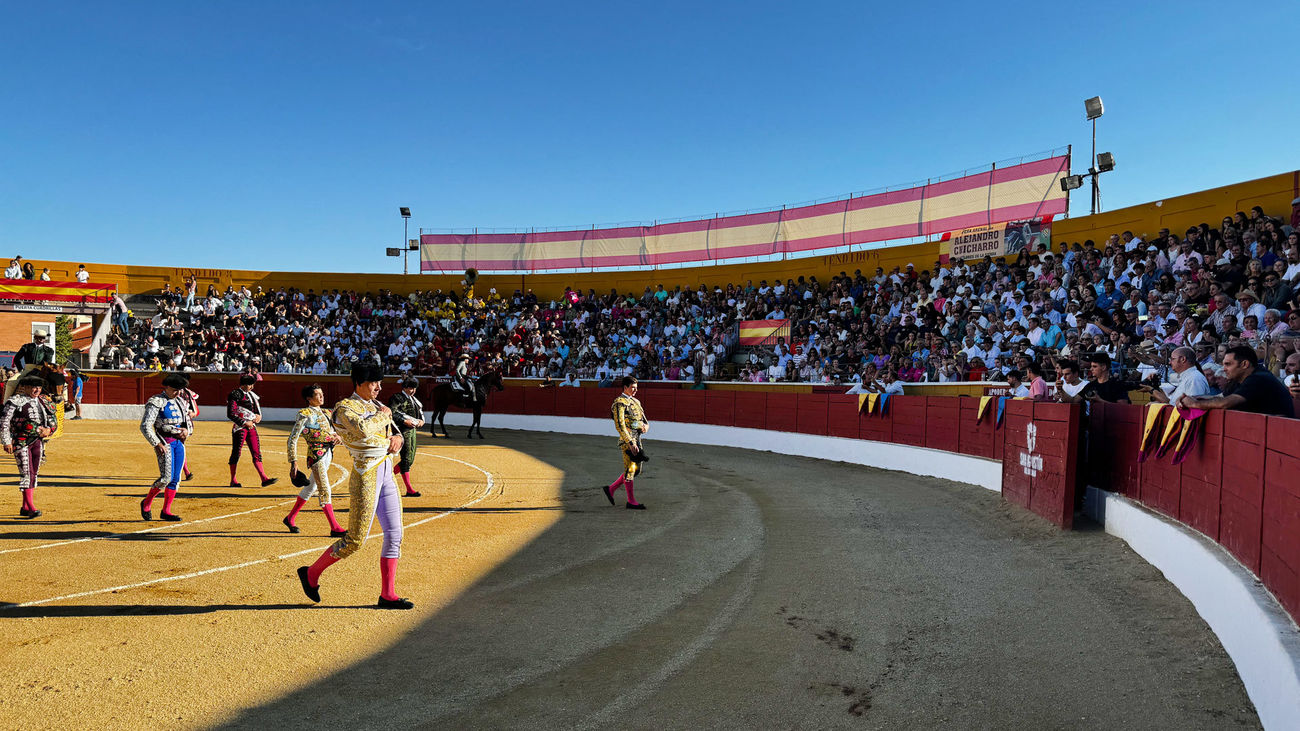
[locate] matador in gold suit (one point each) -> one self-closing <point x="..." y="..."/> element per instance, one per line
<point x="366" y="427"/>
<point x="630" y="422"/>
<point x="314" y="425"/>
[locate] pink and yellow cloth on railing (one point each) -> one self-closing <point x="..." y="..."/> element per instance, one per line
<point x="26" y="290"/>
<point x="1180" y="431"/>
<point x="1030" y="190"/>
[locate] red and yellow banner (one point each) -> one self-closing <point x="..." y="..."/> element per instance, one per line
<point x="763" y="332"/>
<point x="25" y="290"/>
<point x="1015" y="193"/>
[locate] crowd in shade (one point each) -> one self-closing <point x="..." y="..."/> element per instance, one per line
<point x="660" y="335"/>
<point x="1135" y="311"/>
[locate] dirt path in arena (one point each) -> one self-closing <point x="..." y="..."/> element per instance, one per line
<point x="757" y="591"/>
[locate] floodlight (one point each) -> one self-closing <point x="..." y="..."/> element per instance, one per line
<point x="413" y="244"/>
<point x="1093" y="107"/>
<point x="406" y="212"/>
<point x="393" y="251"/>
<point x="1105" y="162"/>
<point x="1070" y="182"/>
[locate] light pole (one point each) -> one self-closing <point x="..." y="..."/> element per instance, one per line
<point x="406" y="219"/>
<point x="1094" y="109"/>
<point x="1103" y="163"/>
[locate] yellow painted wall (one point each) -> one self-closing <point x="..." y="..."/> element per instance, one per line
<point x="1274" y="193"/>
<point x="145" y="280"/>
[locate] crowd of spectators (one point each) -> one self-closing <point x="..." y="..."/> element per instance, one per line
<point x="1081" y="314"/>
<point x="20" y="269"/>
<point x="678" y="335"/>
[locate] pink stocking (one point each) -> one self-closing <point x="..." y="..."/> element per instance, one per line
<point x="328" y="509"/>
<point x="297" y="505"/>
<point x="325" y="561"/>
<point x="388" y="577"/>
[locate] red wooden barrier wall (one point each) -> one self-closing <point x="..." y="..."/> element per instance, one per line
<point x="1240" y="485"/>
<point x="908" y="416"/>
<point x="1280" y="538"/>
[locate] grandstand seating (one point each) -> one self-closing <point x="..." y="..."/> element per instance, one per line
<point x="954" y="321"/>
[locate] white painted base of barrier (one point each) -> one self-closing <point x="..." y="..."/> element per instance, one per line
<point x="1257" y="633"/>
<point x="986" y="473"/>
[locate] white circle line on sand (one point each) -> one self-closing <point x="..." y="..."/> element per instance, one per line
<point x="167" y="526"/>
<point x="487" y="492"/>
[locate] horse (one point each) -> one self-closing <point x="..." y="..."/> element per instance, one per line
<point x="444" y="396"/>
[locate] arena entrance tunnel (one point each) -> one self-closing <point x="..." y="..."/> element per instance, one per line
<point x="774" y="590"/>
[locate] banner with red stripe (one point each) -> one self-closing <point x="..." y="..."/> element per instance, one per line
<point x="763" y="332"/>
<point x="26" y="290"/>
<point x="1021" y="192"/>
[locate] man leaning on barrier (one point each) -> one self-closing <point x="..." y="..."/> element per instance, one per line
<point x="1250" y="388"/>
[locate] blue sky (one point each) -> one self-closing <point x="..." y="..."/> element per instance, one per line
<point x="285" y="135"/>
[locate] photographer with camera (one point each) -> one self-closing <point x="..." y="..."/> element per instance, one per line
<point x="1189" y="380"/>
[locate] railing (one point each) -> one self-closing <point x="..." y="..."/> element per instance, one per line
<point x="28" y="291"/>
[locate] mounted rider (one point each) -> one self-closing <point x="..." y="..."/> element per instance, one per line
<point x="31" y="356"/>
<point x="461" y="380"/>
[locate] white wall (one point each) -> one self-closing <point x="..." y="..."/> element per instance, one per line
<point x="1258" y="635"/>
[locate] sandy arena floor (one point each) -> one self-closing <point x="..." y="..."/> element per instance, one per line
<point x="758" y="591"/>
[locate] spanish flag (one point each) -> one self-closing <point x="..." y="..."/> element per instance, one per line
<point x="763" y="332"/>
<point x="38" y="291"/>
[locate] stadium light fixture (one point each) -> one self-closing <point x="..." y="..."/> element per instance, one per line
<point x="1105" y="162"/>
<point x="1093" y="107"/>
<point x="393" y="251"/>
<point x="406" y="219"/>
<point x="413" y="244"/>
<point x="1070" y="182"/>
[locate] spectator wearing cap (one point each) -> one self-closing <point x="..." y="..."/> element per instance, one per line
<point x="1248" y="304"/>
<point x="33" y="354"/>
<point x="1224" y="317"/>
<point x="1249" y="388"/>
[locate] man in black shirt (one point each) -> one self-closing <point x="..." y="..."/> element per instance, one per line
<point x="1250" y="389"/>
<point x="29" y="357"/>
<point x="34" y="353"/>
<point x="1103" y="387"/>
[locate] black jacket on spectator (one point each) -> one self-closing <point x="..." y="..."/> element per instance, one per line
<point x="1264" y="394"/>
<point x="1112" y="391"/>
